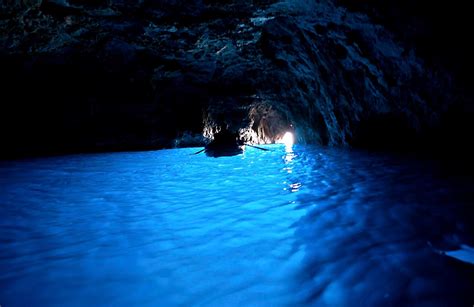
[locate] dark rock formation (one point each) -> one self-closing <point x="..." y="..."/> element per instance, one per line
<point x="84" y="75"/>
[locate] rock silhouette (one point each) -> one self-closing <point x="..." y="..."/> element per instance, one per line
<point x="118" y="75"/>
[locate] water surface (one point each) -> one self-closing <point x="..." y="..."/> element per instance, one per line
<point x="308" y="226"/>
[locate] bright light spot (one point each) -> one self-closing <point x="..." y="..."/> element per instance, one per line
<point x="287" y="139"/>
<point x="295" y="187"/>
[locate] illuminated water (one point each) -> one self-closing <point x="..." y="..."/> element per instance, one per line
<point x="317" y="227"/>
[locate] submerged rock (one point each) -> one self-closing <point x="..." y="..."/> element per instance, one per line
<point x="142" y="74"/>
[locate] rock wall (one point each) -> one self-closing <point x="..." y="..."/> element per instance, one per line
<point x="85" y="75"/>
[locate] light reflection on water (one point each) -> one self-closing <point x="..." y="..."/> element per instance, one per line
<point x="301" y="226"/>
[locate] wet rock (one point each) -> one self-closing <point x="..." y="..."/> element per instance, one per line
<point x="190" y="140"/>
<point x="144" y="73"/>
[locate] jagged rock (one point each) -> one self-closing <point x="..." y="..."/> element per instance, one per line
<point x="121" y="74"/>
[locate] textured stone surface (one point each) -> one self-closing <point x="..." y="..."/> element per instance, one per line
<point x="89" y="75"/>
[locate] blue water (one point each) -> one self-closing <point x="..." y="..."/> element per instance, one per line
<point x="308" y="226"/>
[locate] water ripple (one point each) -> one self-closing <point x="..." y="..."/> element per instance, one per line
<point x="312" y="226"/>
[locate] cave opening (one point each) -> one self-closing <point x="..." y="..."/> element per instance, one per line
<point x="252" y="119"/>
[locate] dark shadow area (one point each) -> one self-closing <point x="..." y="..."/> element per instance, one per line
<point x="438" y="32"/>
<point x="225" y="143"/>
<point x="377" y="229"/>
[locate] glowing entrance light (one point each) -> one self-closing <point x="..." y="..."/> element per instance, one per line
<point x="287" y="139"/>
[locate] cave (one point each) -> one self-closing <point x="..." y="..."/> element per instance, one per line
<point x="227" y="153"/>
